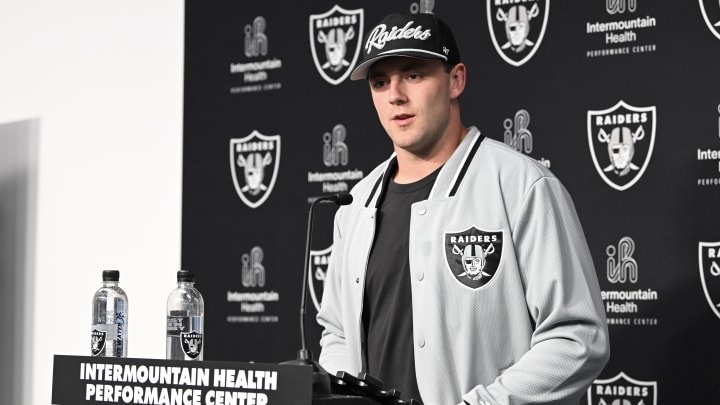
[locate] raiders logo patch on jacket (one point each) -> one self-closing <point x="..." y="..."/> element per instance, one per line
<point x="473" y="255"/>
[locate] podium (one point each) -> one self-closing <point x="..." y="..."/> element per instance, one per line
<point x="109" y="380"/>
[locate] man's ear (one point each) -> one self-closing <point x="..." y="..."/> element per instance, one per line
<point x="458" y="78"/>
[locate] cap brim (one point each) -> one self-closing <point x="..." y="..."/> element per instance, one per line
<point x="361" y="71"/>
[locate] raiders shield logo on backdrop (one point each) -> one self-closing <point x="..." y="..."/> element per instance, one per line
<point x="97" y="341"/>
<point x="622" y="389"/>
<point x="254" y="163"/>
<point x="191" y="343"/>
<point x="473" y="255"/>
<point x="709" y="262"/>
<point x="335" y="38"/>
<point x="317" y="269"/>
<point x="711" y="14"/>
<point x="621" y="142"/>
<point x="517" y="28"/>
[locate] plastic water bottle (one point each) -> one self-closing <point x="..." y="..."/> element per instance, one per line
<point x="185" y="319"/>
<point x="109" y="318"/>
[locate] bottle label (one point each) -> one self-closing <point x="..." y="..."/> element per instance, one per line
<point x="114" y="332"/>
<point x="179" y="324"/>
<point x="120" y="320"/>
<point x="188" y="329"/>
<point x="97" y="341"/>
<point x="192" y="344"/>
<point x="110" y="329"/>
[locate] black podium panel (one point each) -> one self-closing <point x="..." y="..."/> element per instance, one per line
<point x="343" y="400"/>
<point x="97" y="380"/>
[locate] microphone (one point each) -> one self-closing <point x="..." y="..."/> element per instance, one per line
<point x="339" y="199"/>
<point x="343" y="199"/>
<point x="321" y="379"/>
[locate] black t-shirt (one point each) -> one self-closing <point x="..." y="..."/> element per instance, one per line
<point x="387" y="306"/>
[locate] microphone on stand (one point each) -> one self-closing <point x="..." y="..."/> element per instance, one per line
<point x="321" y="379"/>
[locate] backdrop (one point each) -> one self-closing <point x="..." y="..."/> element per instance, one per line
<point x="619" y="98"/>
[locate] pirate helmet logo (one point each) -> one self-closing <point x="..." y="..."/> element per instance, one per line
<point x="621" y="142"/>
<point x="97" y="341"/>
<point x="517" y="29"/>
<point x="192" y="343"/>
<point x="338" y="33"/>
<point x="258" y="156"/>
<point x="473" y="255"/>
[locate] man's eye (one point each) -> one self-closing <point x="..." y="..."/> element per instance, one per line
<point x="376" y="84"/>
<point x="414" y="76"/>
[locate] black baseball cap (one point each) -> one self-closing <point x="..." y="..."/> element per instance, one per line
<point x="423" y="36"/>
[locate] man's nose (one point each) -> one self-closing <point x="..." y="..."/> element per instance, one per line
<point x="397" y="92"/>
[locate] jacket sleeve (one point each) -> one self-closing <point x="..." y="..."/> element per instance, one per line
<point x="570" y="343"/>
<point x="333" y="353"/>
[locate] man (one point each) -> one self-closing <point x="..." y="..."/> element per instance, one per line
<point x="460" y="273"/>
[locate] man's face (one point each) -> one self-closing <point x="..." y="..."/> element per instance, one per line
<point x="412" y="98"/>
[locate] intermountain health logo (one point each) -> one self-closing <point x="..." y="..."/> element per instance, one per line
<point x="335" y="38"/>
<point x="709" y="263"/>
<point x="256" y="42"/>
<point x="622" y="390"/>
<point x="256" y="68"/>
<point x="317" y="270"/>
<point x="626" y="29"/>
<point x="255" y="299"/>
<point x="336" y="177"/>
<point x="518" y="135"/>
<point x="711" y="14"/>
<point x="621" y="140"/>
<point x="626" y="302"/>
<point x="517" y="28"/>
<point x="254" y="164"/>
<point x="253" y="270"/>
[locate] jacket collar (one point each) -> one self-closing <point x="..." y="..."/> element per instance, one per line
<point x="449" y="178"/>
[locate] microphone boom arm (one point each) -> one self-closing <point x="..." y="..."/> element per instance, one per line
<point x="339" y="199"/>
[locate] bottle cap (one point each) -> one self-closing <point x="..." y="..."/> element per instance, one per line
<point x="185" y="275"/>
<point x="111" y="275"/>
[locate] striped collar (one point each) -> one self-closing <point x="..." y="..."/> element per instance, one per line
<point x="448" y="180"/>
